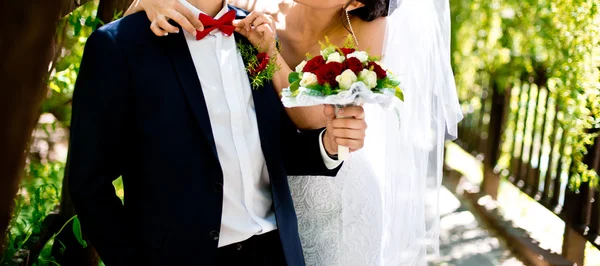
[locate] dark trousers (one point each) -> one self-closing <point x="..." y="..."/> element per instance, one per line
<point x="260" y="250"/>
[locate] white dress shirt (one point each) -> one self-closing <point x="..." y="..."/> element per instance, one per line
<point x="247" y="198"/>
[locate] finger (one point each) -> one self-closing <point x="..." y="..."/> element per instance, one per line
<point x="348" y="133"/>
<point x="329" y="112"/>
<point x="182" y="21"/>
<point x="243" y="23"/>
<point x="157" y="30"/>
<point x="349" y="123"/>
<point x="242" y="31"/>
<point x="260" y="21"/>
<point x="266" y="28"/>
<point x="249" y="20"/>
<point x="189" y="15"/>
<point x="238" y="23"/>
<point x="350" y="143"/>
<point x="166" y="26"/>
<point x="353" y="111"/>
<point x="271" y="21"/>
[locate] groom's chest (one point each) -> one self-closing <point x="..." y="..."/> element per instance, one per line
<point x="222" y="78"/>
<point x="224" y="83"/>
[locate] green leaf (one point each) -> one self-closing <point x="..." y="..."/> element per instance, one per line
<point x="393" y="82"/>
<point x="295" y="86"/>
<point x="77" y="232"/>
<point x="54" y="87"/>
<point x="293" y="77"/>
<point x="295" y="93"/>
<point x="399" y="94"/>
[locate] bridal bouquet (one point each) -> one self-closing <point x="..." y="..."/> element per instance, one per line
<point x="341" y="76"/>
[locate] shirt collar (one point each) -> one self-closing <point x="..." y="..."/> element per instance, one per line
<point x="197" y="11"/>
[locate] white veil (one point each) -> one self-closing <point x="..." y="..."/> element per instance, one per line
<point x="409" y="154"/>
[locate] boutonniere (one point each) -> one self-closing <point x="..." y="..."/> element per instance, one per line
<point x="260" y="66"/>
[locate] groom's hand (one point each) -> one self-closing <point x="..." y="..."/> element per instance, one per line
<point x="348" y="131"/>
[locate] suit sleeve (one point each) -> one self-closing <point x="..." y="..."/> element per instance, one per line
<point x="302" y="150"/>
<point x="98" y="138"/>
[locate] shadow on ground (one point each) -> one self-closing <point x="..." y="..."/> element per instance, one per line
<point x="463" y="239"/>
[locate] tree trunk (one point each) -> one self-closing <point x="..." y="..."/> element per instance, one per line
<point x="109" y="10"/>
<point x="26" y="49"/>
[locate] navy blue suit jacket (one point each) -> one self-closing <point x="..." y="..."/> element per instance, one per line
<point x="139" y="112"/>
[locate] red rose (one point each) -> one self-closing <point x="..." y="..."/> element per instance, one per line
<point x="347" y="51"/>
<point x="314" y="64"/>
<point x="353" y="64"/>
<point x="328" y="72"/>
<point x="381" y="74"/>
<point x="262" y="60"/>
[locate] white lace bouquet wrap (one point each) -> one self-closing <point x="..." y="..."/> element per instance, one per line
<point x="358" y="94"/>
<point x="342" y="77"/>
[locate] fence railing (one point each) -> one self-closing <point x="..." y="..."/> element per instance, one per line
<point x="516" y="133"/>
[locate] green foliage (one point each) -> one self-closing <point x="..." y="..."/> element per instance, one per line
<point x="554" y="43"/>
<point x="249" y="55"/>
<point x="77" y="232"/>
<point x="38" y="196"/>
<point x="72" y="34"/>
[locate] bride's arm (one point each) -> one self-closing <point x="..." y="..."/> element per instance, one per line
<point x="304" y="117"/>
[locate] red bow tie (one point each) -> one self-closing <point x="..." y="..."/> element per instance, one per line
<point x="224" y="24"/>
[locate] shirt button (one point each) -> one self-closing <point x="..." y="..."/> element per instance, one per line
<point x="214" y="235"/>
<point x="238" y="247"/>
<point x="218" y="187"/>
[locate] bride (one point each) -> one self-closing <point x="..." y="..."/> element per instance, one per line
<point x="381" y="209"/>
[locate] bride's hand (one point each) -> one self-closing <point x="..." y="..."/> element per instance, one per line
<point x="160" y="11"/>
<point x="348" y="131"/>
<point x="259" y="29"/>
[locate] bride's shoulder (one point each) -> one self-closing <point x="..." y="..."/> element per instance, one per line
<point x="371" y="34"/>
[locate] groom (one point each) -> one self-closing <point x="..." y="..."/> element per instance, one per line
<point x="203" y="157"/>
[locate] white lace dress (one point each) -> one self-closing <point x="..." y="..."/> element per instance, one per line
<point x="330" y="234"/>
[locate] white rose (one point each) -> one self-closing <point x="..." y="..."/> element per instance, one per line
<point x="308" y="79"/>
<point x="327" y="51"/>
<point x="335" y="57"/>
<point x="346" y="79"/>
<point x="360" y="55"/>
<point x="300" y="66"/>
<point x="368" y="77"/>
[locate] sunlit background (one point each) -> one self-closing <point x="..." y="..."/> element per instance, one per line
<point x="528" y="79"/>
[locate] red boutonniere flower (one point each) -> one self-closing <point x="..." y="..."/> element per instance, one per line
<point x="314" y="64"/>
<point x="381" y="73"/>
<point x="262" y="60"/>
<point x="353" y="64"/>
<point x="260" y="66"/>
<point x="328" y="72"/>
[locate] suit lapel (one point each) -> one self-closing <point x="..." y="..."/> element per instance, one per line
<point x="181" y="59"/>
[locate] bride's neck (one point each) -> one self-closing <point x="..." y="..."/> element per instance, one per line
<point x="210" y="7"/>
<point x="310" y="23"/>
